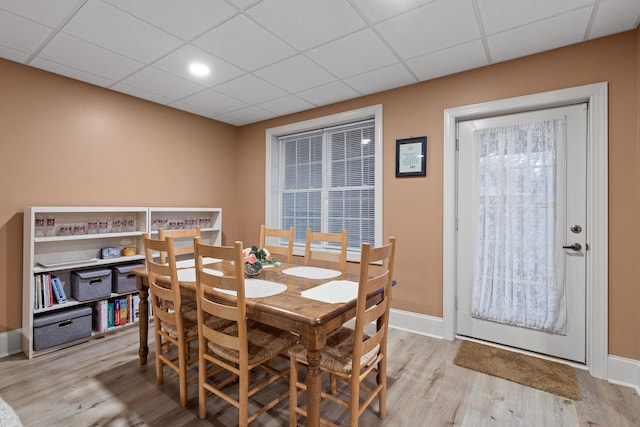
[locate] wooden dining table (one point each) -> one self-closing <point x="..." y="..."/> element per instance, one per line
<point x="311" y="319"/>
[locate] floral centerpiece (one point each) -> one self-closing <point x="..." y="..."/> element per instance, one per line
<point x="255" y="259"/>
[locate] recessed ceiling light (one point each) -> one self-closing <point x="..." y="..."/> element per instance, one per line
<point x="199" y="69"/>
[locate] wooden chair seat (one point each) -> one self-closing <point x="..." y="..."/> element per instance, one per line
<point x="337" y="356"/>
<point x="190" y="329"/>
<point x="265" y="342"/>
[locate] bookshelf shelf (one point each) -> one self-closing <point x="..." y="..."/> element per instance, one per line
<point x="59" y="240"/>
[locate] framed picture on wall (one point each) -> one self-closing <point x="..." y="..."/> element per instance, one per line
<point x="411" y="156"/>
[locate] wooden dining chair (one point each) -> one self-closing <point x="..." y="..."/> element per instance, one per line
<point x="183" y="250"/>
<point x="278" y="250"/>
<point x="350" y="354"/>
<point x="325" y="251"/>
<point x="238" y="349"/>
<point x="183" y="240"/>
<point x="174" y="335"/>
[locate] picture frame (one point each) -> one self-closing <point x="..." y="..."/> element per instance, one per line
<point x="411" y="157"/>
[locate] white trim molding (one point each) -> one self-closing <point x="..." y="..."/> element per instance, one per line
<point x="10" y="342"/>
<point x="625" y="372"/>
<point x="597" y="206"/>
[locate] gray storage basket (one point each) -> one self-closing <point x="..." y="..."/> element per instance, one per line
<point x="93" y="284"/>
<point x="61" y="327"/>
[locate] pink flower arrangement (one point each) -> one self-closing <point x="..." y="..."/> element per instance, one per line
<point x="259" y="257"/>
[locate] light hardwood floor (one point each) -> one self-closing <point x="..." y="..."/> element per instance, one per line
<point x="100" y="383"/>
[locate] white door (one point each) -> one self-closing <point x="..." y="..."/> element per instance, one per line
<point x="569" y="342"/>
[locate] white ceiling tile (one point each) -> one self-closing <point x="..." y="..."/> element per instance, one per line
<point x="50" y="13"/>
<point x="161" y="83"/>
<point x="295" y="74"/>
<point x="286" y="105"/>
<point x="307" y="24"/>
<point x="246" y="44"/>
<point x="141" y="93"/>
<point x="230" y="120"/>
<point x="378" y="10"/>
<point x="500" y="15"/>
<point x="328" y="94"/>
<point x="20" y="34"/>
<point x="395" y="75"/>
<point x="250" y="89"/>
<point x="178" y="63"/>
<point x="191" y="109"/>
<point x="243" y="4"/>
<point x="614" y="16"/>
<point x="540" y="36"/>
<point x="106" y="26"/>
<point x="13" y="55"/>
<point x="64" y="49"/>
<point x="73" y="73"/>
<point x="251" y="114"/>
<point x="214" y="102"/>
<point x="449" y="61"/>
<point x="430" y="28"/>
<point x="186" y="19"/>
<point x="353" y="54"/>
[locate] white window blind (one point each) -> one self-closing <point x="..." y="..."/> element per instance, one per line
<point x="327" y="182"/>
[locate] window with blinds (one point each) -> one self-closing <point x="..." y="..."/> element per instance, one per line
<point x="326" y="174"/>
<point x="327" y="182"/>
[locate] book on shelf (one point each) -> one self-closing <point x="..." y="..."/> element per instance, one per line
<point x="124" y="311"/>
<point x="100" y="314"/>
<point x="135" y="307"/>
<point x="116" y="312"/>
<point x="58" y="290"/>
<point x="110" y="314"/>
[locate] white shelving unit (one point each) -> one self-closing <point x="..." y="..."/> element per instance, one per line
<point x="75" y="241"/>
<point x="209" y="219"/>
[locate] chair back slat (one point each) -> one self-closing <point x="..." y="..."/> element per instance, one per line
<point x="270" y="236"/>
<point x="182" y="240"/>
<point x="318" y="249"/>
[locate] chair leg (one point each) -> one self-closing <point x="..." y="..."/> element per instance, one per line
<point x="202" y="378"/>
<point x="293" y="392"/>
<point x="354" y="400"/>
<point x="382" y="397"/>
<point x="243" y="399"/>
<point x="182" y="366"/>
<point x="159" y="363"/>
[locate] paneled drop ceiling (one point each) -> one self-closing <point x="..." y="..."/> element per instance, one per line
<point x="270" y="58"/>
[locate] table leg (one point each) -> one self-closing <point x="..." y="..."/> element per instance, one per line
<point x="143" y="321"/>
<point x="314" y="384"/>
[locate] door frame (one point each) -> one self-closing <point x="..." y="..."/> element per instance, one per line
<point x="597" y="281"/>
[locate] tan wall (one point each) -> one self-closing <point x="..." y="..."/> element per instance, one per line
<point x="49" y="123"/>
<point x="67" y="143"/>
<point x="413" y="207"/>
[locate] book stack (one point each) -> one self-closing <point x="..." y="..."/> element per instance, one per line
<point x="115" y="312"/>
<point x="49" y="290"/>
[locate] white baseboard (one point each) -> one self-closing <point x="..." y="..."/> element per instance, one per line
<point x="10" y="342"/>
<point x="623" y="371"/>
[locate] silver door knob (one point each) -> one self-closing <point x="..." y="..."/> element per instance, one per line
<point x="573" y="247"/>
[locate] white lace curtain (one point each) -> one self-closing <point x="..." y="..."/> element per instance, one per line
<point x="519" y="271"/>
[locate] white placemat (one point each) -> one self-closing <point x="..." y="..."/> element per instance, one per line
<point x="190" y="263"/>
<point x="312" y="272"/>
<point x="189" y="274"/>
<point x="333" y="291"/>
<point x="258" y="288"/>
